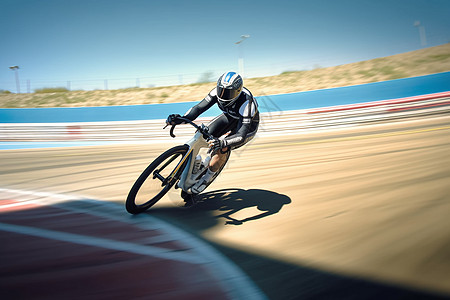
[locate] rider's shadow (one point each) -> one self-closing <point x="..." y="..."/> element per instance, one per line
<point x="234" y="201"/>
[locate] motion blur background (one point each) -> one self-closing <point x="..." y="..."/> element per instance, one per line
<point x="348" y="202"/>
<point x="109" y="44"/>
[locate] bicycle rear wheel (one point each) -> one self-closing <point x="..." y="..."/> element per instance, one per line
<point x="220" y="170"/>
<point x="156" y="180"/>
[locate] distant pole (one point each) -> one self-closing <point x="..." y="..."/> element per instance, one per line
<point x="422" y="34"/>
<point x="16" y="72"/>
<point x="241" y="54"/>
<point x="68" y="85"/>
<point x="106" y="84"/>
<point x="138" y="83"/>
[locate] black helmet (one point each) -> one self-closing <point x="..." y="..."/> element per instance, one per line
<point x="229" y="87"/>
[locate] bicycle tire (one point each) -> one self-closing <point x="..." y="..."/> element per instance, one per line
<point x="172" y="157"/>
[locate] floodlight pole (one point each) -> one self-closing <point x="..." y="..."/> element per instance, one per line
<point x="241" y="54"/>
<point x="423" y="37"/>
<point x="15" y="68"/>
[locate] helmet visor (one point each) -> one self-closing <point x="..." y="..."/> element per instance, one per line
<point x="227" y="94"/>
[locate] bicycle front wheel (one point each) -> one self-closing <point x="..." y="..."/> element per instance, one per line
<point x="156" y="180"/>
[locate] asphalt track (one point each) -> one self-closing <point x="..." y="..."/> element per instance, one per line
<point x="356" y="213"/>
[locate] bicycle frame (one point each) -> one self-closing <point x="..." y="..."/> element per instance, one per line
<point x="195" y="144"/>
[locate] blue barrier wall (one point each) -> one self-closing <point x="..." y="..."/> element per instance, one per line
<point x="392" y="89"/>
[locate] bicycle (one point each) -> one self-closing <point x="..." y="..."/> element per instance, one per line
<point x="175" y="167"/>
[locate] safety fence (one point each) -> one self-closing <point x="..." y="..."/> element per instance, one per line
<point x="273" y="123"/>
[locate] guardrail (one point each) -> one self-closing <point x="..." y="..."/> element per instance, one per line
<point x="273" y="123"/>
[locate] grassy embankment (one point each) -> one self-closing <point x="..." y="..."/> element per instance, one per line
<point x="416" y="63"/>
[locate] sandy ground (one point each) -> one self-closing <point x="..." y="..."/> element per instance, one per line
<point x="410" y="64"/>
<point x="353" y="213"/>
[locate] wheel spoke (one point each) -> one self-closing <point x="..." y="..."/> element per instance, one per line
<point x="168" y="162"/>
<point x="156" y="174"/>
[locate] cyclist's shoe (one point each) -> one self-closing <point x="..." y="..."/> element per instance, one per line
<point x="200" y="186"/>
<point x="203" y="182"/>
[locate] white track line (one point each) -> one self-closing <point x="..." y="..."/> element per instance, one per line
<point x="233" y="280"/>
<point x="102" y="243"/>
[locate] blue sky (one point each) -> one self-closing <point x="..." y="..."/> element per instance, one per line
<point x="80" y="43"/>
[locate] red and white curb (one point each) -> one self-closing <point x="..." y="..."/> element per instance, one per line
<point x="62" y="247"/>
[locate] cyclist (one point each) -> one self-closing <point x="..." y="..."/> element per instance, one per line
<point x="236" y="126"/>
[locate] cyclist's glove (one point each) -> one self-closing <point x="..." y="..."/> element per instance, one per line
<point x="174" y="119"/>
<point x="216" y="144"/>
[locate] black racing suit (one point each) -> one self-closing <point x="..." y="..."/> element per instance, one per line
<point x="241" y="118"/>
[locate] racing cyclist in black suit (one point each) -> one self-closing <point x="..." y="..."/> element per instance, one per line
<point x="240" y="118"/>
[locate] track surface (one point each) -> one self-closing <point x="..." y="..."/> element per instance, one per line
<point x="355" y="213"/>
